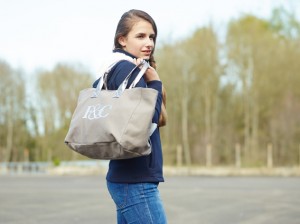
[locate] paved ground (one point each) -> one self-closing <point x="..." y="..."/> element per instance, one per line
<point x="188" y="200"/>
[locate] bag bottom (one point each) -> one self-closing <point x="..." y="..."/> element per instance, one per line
<point x="109" y="151"/>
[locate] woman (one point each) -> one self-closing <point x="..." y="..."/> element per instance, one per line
<point x="133" y="183"/>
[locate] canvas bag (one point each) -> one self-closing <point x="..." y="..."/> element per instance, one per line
<point x="113" y="124"/>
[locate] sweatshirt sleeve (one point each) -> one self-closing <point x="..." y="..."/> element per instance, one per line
<point x="157" y="85"/>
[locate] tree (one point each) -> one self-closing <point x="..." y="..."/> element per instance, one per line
<point x="12" y="112"/>
<point x="263" y="55"/>
<point x="190" y="70"/>
<point x="58" y="92"/>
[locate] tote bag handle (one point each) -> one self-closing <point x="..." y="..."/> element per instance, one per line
<point x="122" y="87"/>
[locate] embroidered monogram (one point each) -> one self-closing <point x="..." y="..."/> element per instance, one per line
<point x="97" y="111"/>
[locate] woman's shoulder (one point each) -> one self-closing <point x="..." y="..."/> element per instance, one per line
<point x="122" y="68"/>
<point x="123" y="64"/>
<point x="119" y="72"/>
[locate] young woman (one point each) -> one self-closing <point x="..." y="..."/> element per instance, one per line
<point x="133" y="183"/>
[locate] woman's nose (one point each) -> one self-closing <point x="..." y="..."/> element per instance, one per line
<point x="150" y="42"/>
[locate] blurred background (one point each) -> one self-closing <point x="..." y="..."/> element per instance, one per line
<point x="231" y="70"/>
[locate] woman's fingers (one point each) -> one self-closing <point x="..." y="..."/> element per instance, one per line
<point x="137" y="61"/>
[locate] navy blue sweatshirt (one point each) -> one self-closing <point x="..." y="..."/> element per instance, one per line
<point x="145" y="168"/>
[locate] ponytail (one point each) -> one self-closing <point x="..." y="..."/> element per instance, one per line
<point x="152" y="62"/>
<point x="163" y="114"/>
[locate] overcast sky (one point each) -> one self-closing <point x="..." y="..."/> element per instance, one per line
<point x="38" y="34"/>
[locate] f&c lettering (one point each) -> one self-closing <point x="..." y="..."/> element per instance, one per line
<point x="97" y="111"/>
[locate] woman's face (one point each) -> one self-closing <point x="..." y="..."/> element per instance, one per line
<point x="140" y="40"/>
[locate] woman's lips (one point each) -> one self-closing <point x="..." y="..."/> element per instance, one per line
<point x="148" y="53"/>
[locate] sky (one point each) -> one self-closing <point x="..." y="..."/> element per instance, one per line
<point x="38" y="34"/>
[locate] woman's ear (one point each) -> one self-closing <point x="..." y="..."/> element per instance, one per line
<point x="122" y="41"/>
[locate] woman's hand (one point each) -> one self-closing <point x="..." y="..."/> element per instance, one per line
<point x="150" y="73"/>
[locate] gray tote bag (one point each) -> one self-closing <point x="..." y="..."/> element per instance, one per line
<point x="113" y="124"/>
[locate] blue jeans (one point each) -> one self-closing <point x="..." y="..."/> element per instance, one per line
<point x="137" y="203"/>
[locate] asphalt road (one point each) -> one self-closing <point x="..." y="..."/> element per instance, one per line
<point x="187" y="200"/>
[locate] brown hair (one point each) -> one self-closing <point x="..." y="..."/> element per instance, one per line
<point x="126" y="23"/>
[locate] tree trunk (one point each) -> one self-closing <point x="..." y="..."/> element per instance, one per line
<point x="185" y="132"/>
<point x="9" y="137"/>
